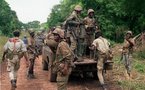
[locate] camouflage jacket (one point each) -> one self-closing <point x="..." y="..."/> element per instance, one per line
<point x="72" y="25"/>
<point x="90" y="24"/>
<point x="63" y="53"/>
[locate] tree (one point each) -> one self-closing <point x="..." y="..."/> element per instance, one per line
<point x="8" y="19"/>
<point x="114" y="16"/>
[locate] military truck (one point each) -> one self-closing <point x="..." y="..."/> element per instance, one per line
<point x="83" y="67"/>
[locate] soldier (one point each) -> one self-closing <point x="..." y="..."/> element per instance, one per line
<point x="32" y="54"/>
<point x="39" y="41"/>
<point x="25" y="40"/>
<point x="49" y="49"/>
<point x="15" y="49"/>
<point x="63" y="60"/>
<point x="90" y="27"/>
<point x="127" y="51"/>
<point x="72" y="26"/>
<point x="103" y="50"/>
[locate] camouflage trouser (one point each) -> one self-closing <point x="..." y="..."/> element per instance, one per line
<point x="89" y="40"/>
<point x="80" y="47"/>
<point x="73" y="43"/>
<point x="62" y="80"/>
<point x="13" y="67"/>
<point x="127" y="58"/>
<point x="32" y="58"/>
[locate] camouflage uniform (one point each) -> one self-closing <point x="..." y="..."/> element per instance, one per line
<point x="49" y="49"/>
<point x="39" y="41"/>
<point x="32" y="54"/>
<point x="74" y="32"/>
<point x="90" y="26"/>
<point x="127" y="52"/>
<point x="15" y="49"/>
<point x="63" y="60"/>
<point x="64" y="55"/>
<point x="102" y="45"/>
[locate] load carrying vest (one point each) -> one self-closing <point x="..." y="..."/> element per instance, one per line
<point x="11" y="52"/>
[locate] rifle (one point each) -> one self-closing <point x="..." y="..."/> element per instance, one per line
<point x="34" y="52"/>
<point x="3" y="57"/>
<point x="136" y="36"/>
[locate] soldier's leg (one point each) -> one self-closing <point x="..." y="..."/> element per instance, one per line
<point x="11" y="71"/>
<point x="91" y="38"/>
<point x="80" y="47"/>
<point x="125" y="62"/>
<point x="129" y="64"/>
<point x="62" y="81"/>
<point x="73" y="44"/>
<point x="31" y="68"/>
<point x="100" y="65"/>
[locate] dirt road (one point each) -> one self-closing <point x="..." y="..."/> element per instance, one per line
<point x="41" y="82"/>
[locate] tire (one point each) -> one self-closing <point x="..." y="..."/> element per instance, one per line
<point x="52" y="76"/>
<point x="45" y="65"/>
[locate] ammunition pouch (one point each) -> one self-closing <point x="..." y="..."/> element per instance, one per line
<point x="10" y="54"/>
<point x="60" y="67"/>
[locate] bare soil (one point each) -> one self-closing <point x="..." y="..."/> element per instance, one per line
<point x="42" y="82"/>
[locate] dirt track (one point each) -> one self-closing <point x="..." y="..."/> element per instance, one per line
<point x="41" y="82"/>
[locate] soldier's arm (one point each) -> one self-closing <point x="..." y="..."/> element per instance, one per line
<point x="131" y="42"/>
<point x="94" y="45"/>
<point x="71" y="20"/>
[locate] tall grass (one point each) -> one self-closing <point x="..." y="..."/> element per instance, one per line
<point x="3" y="40"/>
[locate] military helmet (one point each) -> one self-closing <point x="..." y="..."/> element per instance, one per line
<point x="59" y="31"/>
<point x="129" y="32"/>
<point x="78" y="8"/>
<point x="31" y="31"/>
<point x="90" y="10"/>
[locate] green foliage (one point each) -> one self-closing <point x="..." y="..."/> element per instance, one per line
<point x="140" y="68"/>
<point x="2" y="42"/>
<point x="114" y="17"/>
<point x="8" y="19"/>
<point x="33" y="24"/>
<point x="140" y="54"/>
<point x="135" y="85"/>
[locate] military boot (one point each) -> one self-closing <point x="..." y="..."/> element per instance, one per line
<point x="30" y="76"/>
<point x="13" y="83"/>
<point x="103" y="87"/>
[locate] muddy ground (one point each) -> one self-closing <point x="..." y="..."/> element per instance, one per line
<point x="42" y="82"/>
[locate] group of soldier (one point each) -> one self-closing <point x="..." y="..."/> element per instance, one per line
<point x="64" y="44"/>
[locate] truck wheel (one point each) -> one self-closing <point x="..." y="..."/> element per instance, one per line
<point x="52" y="76"/>
<point x="45" y="65"/>
<point x="95" y="75"/>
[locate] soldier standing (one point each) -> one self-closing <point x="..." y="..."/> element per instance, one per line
<point x="102" y="46"/>
<point x="72" y="25"/>
<point x="39" y="41"/>
<point x="64" y="58"/>
<point x="32" y="54"/>
<point x="49" y="49"/>
<point x="15" y="49"/>
<point x="25" y="40"/>
<point x="127" y="51"/>
<point x="90" y="27"/>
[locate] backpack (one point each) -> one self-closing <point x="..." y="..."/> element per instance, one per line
<point x="11" y="52"/>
